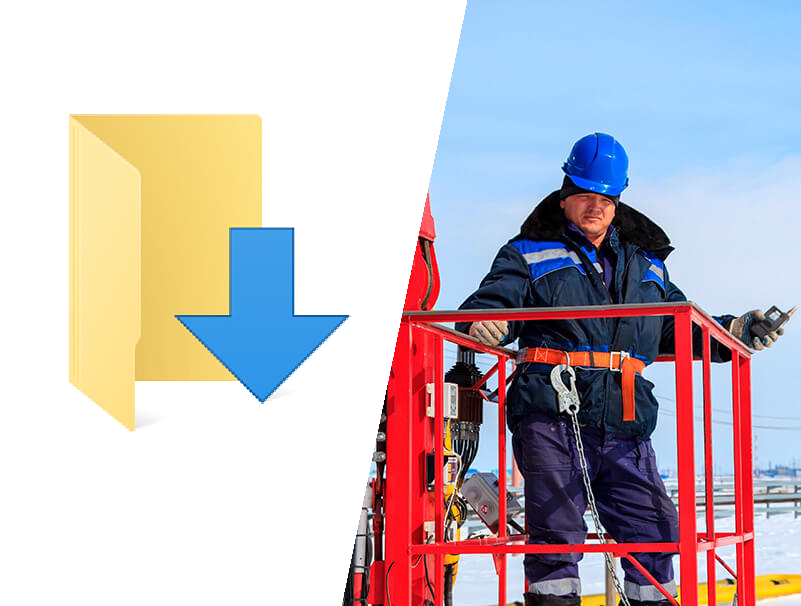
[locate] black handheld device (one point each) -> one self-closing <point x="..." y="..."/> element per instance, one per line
<point x="774" y="319"/>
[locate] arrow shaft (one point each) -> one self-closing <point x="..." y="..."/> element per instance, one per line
<point x="262" y="270"/>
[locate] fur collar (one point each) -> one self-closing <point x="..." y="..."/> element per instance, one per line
<point x="547" y="222"/>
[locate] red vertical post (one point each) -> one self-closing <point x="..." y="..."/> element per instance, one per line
<point x="501" y="564"/>
<point x="739" y="502"/>
<point x="749" y="592"/>
<point x="709" y="469"/>
<point x="398" y="507"/>
<point x="688" y="559"/>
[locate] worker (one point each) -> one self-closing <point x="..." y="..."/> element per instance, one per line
<point x="583" y="246"/>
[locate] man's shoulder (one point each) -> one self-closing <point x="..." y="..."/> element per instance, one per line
<point x="655" y="257"/>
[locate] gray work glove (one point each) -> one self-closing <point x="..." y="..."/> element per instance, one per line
<point x="741" y="328"/>
<point x="489" y="332"/>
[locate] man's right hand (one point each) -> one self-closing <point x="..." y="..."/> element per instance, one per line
<point x="489" y="332"/>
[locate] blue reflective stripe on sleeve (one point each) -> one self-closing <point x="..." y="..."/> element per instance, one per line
<point x="546" y="257"/>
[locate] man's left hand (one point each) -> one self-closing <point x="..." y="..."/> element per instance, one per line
<point x="741" y="328"/>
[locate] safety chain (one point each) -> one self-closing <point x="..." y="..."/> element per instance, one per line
<point x="569" y="402"/>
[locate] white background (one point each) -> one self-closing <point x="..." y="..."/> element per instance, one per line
<point x="208" y="502"/>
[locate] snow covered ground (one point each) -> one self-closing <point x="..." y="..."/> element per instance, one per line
<point x="778" y="551"/>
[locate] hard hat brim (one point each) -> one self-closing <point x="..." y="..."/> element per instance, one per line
<point x="598" y="188"/>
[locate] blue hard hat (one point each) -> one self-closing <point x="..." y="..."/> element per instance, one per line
<point x="598" y="163"/>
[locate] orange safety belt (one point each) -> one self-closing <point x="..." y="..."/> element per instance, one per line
<point x="616" y="360"/>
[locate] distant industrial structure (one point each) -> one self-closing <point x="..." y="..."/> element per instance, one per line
<point x="784" y="471"/>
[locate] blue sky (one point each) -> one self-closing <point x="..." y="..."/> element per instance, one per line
<point x="706" y="100"/>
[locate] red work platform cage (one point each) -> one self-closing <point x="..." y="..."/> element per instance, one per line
<point x="412" y="433"/>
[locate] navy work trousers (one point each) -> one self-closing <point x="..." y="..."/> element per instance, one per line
<point x="632" y="503"/>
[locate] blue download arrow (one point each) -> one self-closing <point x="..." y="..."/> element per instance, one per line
<point x="262" y="341"/>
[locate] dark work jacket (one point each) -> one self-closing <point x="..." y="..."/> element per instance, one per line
<point x="548" y="265"/>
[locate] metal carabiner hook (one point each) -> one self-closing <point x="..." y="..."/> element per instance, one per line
<point x="567" y="395"/>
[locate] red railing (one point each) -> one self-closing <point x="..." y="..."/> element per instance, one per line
<point x="411" y="434"/>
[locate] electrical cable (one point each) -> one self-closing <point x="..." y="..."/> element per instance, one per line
<point x="462" y="507"/>
<point x="386" y="583"/>
<point x="425" y="251"/>
<point x="428" y="581"/>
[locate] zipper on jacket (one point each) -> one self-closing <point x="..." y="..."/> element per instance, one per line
<point x="601" y="280"/>
<point x="625" y="273"/>
<point x="588" y="264"/>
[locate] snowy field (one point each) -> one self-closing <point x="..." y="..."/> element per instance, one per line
<point x="778" y="551"/>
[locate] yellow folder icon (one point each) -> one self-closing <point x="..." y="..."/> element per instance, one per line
<point x="152" y="199"/>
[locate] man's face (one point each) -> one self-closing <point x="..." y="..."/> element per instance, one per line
<point x="591" y="213"/>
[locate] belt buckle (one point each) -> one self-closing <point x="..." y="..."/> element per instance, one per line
<point x="521" y="355"/>
<point x="623" y="355"/>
